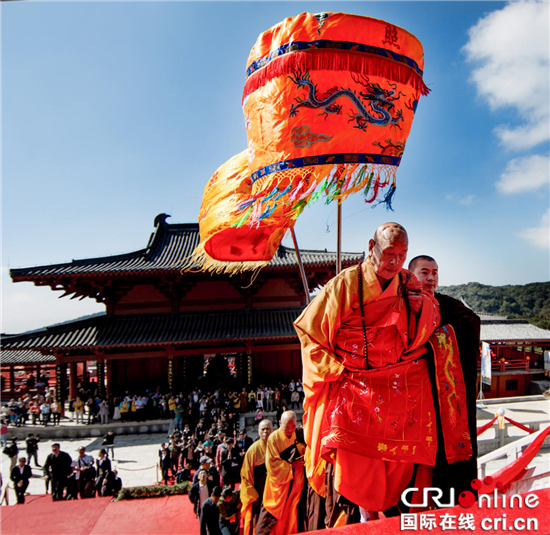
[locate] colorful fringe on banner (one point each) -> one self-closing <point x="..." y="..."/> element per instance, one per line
<point x="328" y="103"/>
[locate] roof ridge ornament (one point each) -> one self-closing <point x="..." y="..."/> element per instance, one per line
<point x="160" y="220"/>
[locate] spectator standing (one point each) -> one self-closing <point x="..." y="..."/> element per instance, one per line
<point x="34" y="409"/>
<point x="57" y="469"/>
<point x="108" y="443"/>
<point x="55" y="412"/>
<point x="229" y="462"/>
<point x="111" y="484"/>
<point x="20" y="476"/>
<point x="210" y="514"/>
<point x="229" y="506"/>
<point x="200" y="491"/>
<point x="79" y="410"/>
<point x="165" y="462"/>
<point x="244" y="441"/>
<point x="103" y="469"/>
<point x="32" y="448"/>
<point x="244" y="400"/>
<point x="295" y="400"/>
<point x="84" y="474"/>
<point x="116" y="410"/>
<point x="206" y="464"/>
<point x="3" y="433"/>
<point x="125" y="409"/>
<point x="178" y="416"/>
<point x="91" y="408"/>
<point x="71" y="409"/>
<point x="104" y="412"/>
<point x="45" y="412"/>
<point x="11" y="451"/>
<point x="260" y="398"/>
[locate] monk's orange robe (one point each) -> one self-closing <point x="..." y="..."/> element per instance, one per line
<point x="371" y="424"/>
<point x="284" y="483"/>
<point x="253" y="474"/>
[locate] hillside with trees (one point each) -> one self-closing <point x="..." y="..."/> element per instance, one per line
<point x="530" y="301"/>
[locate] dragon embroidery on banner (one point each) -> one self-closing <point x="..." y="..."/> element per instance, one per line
<point x="374" y="106"/>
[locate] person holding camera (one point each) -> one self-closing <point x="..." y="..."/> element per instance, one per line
<point x="84" y="474"/>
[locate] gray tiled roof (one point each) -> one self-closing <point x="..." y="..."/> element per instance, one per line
<point x="162" y="329"/>
<point x="168" y="247"/>
<point x="512" y="330"/>
<point x="24" y="356"/>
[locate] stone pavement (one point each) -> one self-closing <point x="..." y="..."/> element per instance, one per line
<point x="136" y="458"/>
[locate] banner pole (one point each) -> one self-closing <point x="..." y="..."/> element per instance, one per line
<point x="300" y="265"/>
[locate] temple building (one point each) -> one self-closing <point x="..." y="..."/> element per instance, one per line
<point x="517" y="356"/>
<point x="173" y="330"/>
<point x="163" y="328"/>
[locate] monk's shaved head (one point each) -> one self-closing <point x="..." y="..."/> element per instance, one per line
<point x="390" y="231"/>
<point x="265" y="429"/>
<point x="288" y="423"/>
<point x="388" y="250"/>
<point x="265" y="423"/>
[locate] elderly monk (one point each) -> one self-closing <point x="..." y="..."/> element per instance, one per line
<point x="459" y="332"/>
<point x="368" y="403"/>
<point x="284" y="481"/>
<point x="253" y="474"/>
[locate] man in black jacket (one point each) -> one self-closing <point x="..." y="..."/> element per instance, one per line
<point x="200" y="492"/>
<point x="210" y="514"/>
<point x="20" y="476"/>
<point x="466" y="325"/>
<point x="58" y="468"/>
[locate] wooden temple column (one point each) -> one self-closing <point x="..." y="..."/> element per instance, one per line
<point x="184" y="372"/>
<point x="101" y="377"/>
<point x="109" y="375"/>
<point x="60" y="380"/>
<point x="100" y="367"/>
<point x="170" y="368"/>
<point x="73" y="380"/>
<point x="249" y="363"/>
<point x="12" y="377"/>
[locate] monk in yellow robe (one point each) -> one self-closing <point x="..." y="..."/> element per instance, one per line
<point x="368" y="403"/>
<point x="285" y="479"/>
<point x="253" y="474"/>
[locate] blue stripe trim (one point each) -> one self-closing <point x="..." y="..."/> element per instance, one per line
<point x="297" y="46"/>
<point x="325" y="159"/>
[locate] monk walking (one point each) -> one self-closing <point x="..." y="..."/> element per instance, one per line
<point x="284" y="481"/>
<point x="253" y="475"/>
<point x="369" y="415"/>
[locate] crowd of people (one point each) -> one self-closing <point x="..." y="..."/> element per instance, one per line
<point x="40" y="409"/>
<point x="89" y="407"/>
<point x="220" y="508"/>
<point x="66" y="478"/>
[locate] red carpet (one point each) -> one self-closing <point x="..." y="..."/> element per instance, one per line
<point x="99" y="516"/>
<point x="174" y="516"/>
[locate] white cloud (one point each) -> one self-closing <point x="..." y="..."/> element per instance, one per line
<point x="510" y="50"/>
<point x="468" y="200"/>
<point x="525" y="174"/>
<point x="538" y="236"/>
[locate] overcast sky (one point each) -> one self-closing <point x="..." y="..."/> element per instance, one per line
<point x="113" y="112"/>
